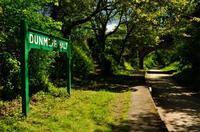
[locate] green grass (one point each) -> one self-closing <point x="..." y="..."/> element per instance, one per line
<point x="172" y="66"/>
<point x="128" y="66"/>
<point x="84" y="111"/>
<point x="124" y="72"/>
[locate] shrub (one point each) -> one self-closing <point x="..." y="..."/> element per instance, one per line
<point x="39" y="70"/>
<point x="82" y="62"/>
<point x="9" y="76"/>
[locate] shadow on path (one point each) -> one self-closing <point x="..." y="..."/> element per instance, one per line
<point x="144" y="122"/>
<point x="179" y="107"/>
<point x="114" y="83"/>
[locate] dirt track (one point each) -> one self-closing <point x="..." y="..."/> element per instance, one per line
<point x="178" y="107"/>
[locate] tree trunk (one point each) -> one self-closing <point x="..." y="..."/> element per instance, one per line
<point x="106" y="65"/>
<point x="141" y="60"/>
<point x="121" y="52"/>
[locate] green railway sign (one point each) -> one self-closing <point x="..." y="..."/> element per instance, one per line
<point x="40" y="40"/>
<point x="35" y="39"/>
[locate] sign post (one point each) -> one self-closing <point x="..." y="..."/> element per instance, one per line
<point x="35" y="39"/>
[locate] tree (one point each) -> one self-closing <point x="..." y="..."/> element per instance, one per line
<point x="11" y="15"/>
<point x="190" y="49"/>
<point x="76" y="12"/>
<point x="99" y="25"/>
<point x="155" y="23"/>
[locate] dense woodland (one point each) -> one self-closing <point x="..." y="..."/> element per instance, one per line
<point x="146" y="34"/>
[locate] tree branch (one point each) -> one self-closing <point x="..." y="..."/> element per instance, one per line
<point x="97" y="10"/>
<point x="116" y="28"/>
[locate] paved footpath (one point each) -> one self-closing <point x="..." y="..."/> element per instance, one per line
<point x="143" y="114"/>
<point x="178" y="107"/>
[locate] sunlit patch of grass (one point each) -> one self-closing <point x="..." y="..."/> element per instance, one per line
<point x="125" y="72"/>
<point x="128" y="66"/>
<point x="83" y="111"/>
<point x="173" y="66"/>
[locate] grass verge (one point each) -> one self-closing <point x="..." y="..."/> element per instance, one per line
<point x="84" y="111"/>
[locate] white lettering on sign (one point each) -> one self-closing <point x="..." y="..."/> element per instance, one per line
<point x="31" y="38"/>
<point x="36" y="39"/>
<point x="40" y="40"/>
<point x="63" y="46"/>
<point x="46" y="41"/>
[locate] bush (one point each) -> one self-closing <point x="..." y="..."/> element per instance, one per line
<point x="39" y="64"/>
<point x="9" y="76"/>
<point x="39" y="70"/>
<point x="82" y="62"/>
<point x="149" y="61"/>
